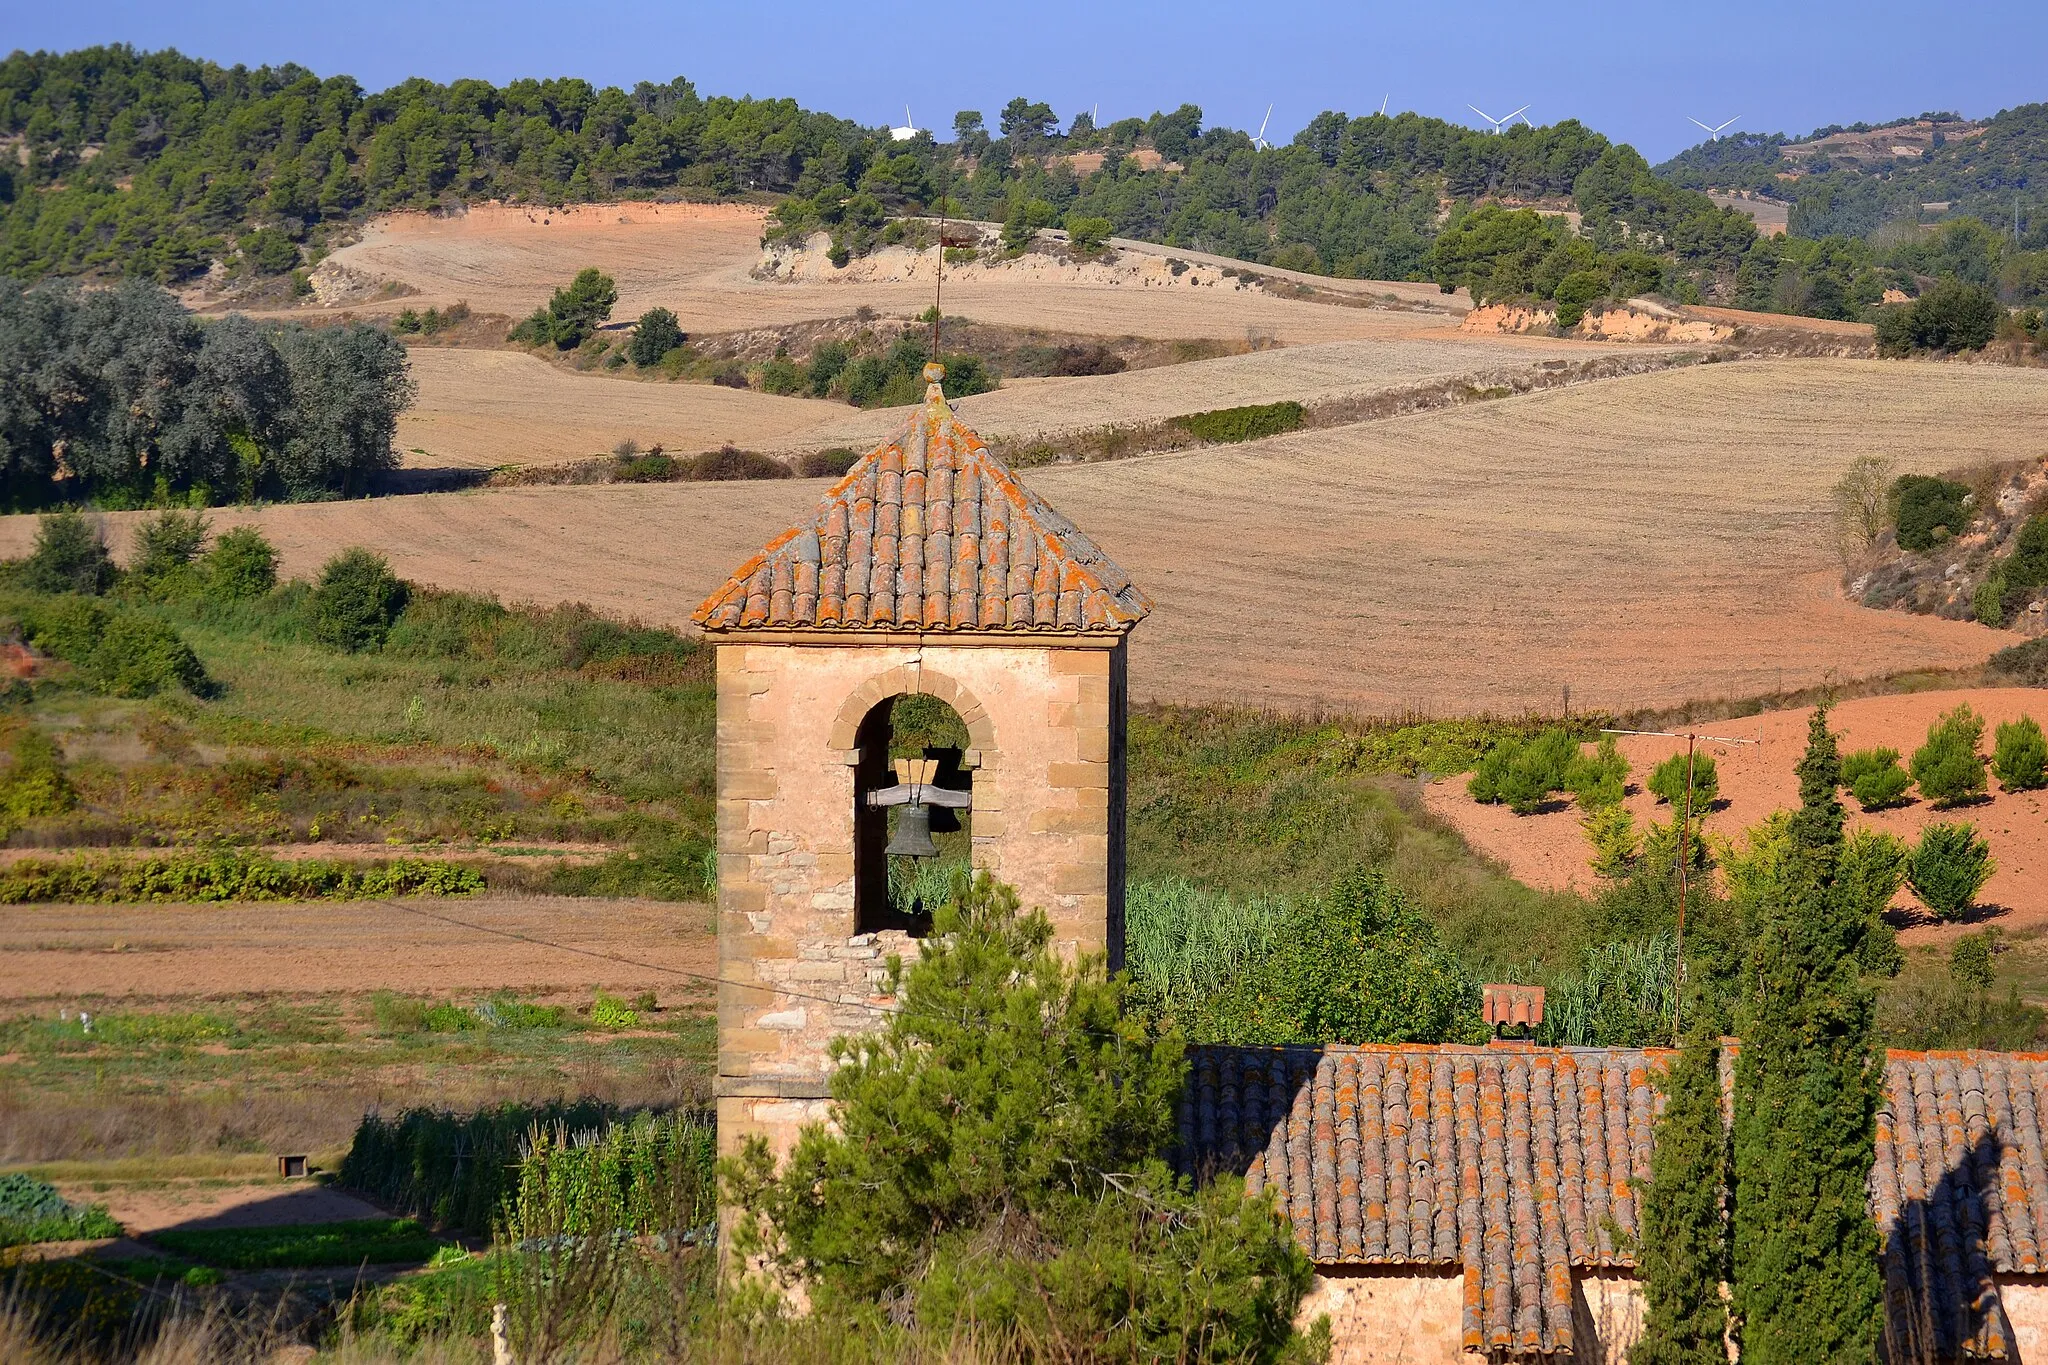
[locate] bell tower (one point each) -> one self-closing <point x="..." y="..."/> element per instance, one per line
<point x="930" y="596"/>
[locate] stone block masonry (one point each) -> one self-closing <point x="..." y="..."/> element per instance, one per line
<point x="1044" y="721"/>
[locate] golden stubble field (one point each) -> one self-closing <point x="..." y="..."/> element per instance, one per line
<point x="698" y="261"/>
<point x="1643" y="541"/>
<point x="480" y="409"/>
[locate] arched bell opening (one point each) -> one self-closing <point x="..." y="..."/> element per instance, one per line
<point x="912" y="817"/>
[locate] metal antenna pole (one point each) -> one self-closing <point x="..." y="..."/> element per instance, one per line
<point x="939" y="283"/>
<point x="1691" y="739"/>
<point x="1678" y="994"/>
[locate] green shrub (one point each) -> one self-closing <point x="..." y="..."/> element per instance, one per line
<point x="241" y="566"/>
<point x="1875" y="778"/>
<point x="1928" y="511"/>
<point x="654" y="337"/>
<point x="1953" y="315"/>
<point x="1524" y="773"/>
<point x="2020" y="755"/>
<point x="2025" y="664"/>
<point x="1611" y="830"/>
<point x="1086" y="234"/>
<point x="1969" y="960"/>
<point x="828" y="361"/>
<point x="573" y="315"/>
<point x="1243" y="424"/>
<point x="119" y="653"/>
<point x="140" y="657"/>
<point x="1948" y="767"/>
<point x="827" y="464"/>
<point x="1667" y="782"/>
<point x="1949" y="868"/>
<point x="356" y="601"/>
<point x="1575" y="291"/>
<point x="1987" y="600"/>
<point x="730" y="462"/>
<point x="70" y="555"/>
<point x="34" y="784"/>
<point x="166" y="546"/>
<point x="781" y="376"/>
<point x="31" y="1210"/>
<point x="1599" y="778"/>
<point x="610" y="1012"/>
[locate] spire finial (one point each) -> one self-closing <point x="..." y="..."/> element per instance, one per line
<point x="934" y="378"/>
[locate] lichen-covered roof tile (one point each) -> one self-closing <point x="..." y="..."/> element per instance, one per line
<point x="1520" y="1164"/>
<point x="930" y="533"/>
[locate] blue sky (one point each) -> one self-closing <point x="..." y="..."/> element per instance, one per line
<point x="1634" y="71"/>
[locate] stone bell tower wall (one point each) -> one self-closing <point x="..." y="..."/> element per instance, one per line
<point x="1045" y="720"/>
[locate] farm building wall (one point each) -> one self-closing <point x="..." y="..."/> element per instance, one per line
<point x="1412" y="1315"/>
<point x="2025" y="1298"/>
<point x="1045" y="726"/>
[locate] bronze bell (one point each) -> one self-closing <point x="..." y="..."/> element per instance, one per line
<point x="913" y="836"/>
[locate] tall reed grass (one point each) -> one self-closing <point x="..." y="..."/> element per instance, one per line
<point x="1182" y="942"/>
<point x="1622" y="995"/>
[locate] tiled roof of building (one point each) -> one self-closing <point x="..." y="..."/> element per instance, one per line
<point x="929" y="533"/>
<point x="1521" y="1165"/>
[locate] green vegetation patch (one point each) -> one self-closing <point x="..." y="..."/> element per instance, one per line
<point x="1243" y="424"/>
<point x="376" y="1241"/>
<point x="460" y="1169"/>
<point x="31" y="1210"/>
<point x="202" y="877"/>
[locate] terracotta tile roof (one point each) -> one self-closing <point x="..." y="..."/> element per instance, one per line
<point x="1522" y="1165"/>
<point x="930" y="533"/>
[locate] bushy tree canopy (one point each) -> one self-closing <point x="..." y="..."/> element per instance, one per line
<point x="995" y="1164"/>
<point x="120" y="395"/>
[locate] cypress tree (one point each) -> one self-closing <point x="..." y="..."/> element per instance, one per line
<point x="1684" y="1242"/>
<point x="1808" y="1287"/>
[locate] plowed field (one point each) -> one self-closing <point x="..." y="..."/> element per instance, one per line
<point x="1550" y="850"/>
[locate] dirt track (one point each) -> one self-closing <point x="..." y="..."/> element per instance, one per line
<point x="142" y="952"/>
<point x="1549" y="850"/>
<point x="1645" y="541"/>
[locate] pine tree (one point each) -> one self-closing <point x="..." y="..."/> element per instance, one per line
<point x="1684" y="1232"/>
<point x="993" y="1168"/>
<point x="1808" y="1287"/>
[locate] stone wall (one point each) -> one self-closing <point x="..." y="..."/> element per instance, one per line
<point x="1410" y="1315"/>
<point x="1044" y="725"/>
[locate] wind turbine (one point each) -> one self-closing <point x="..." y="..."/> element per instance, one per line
<point x="1383" y="103"/>
<point x="1499" y="123"/>
<point x="908" y="131"/>
<point x="1259" y="138"/>
<point x="1715" y="131"/>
